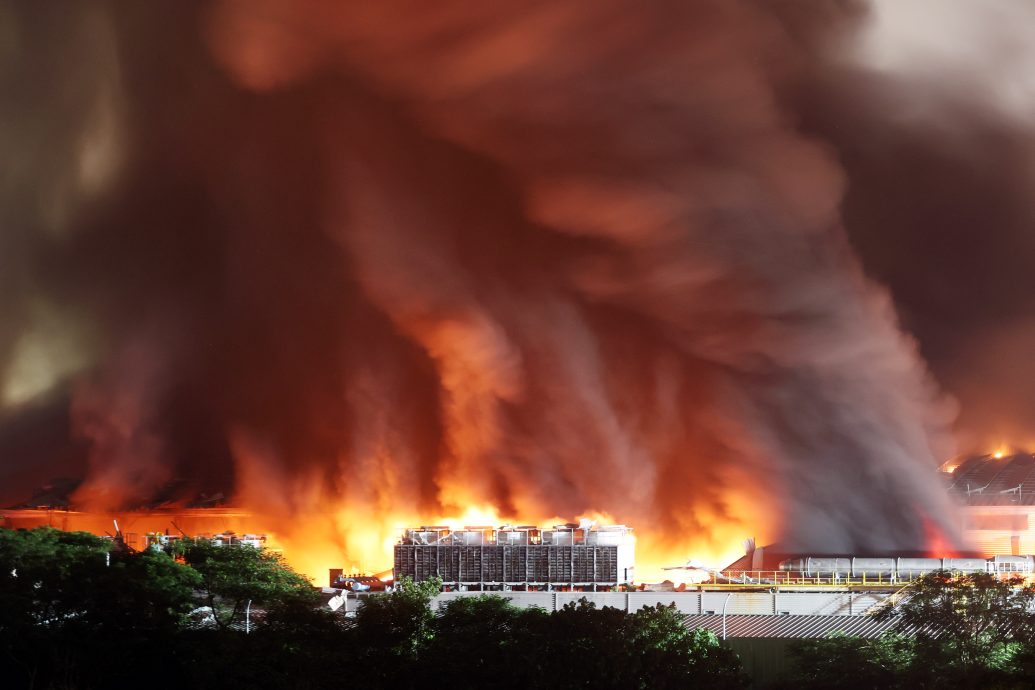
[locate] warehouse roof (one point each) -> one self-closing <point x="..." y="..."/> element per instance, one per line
<point x="994" y="480"/>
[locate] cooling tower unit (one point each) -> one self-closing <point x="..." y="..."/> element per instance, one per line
<point x="487" y="558"/>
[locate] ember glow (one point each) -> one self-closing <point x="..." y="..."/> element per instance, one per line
<point x="491" y="264"/>
<point x="1002" y="451"/>
<point x="938" y="543"/>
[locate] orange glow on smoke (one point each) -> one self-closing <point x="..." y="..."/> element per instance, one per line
<point x="1004" y="449"/>
<point x="319" y="527"/>
<point x="364" y="545"/>
<point x="352" y="538"/>
<point x="312" y="547"/>
<point x="938" y="545"/>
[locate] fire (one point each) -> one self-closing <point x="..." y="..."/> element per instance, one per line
<point x="355" y="525"/>
<point x="311" y="546"/>
<point x="938" y="544"/>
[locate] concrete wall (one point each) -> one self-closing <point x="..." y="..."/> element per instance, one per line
<point x="751" y="603"/>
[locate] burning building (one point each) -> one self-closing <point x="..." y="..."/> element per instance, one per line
<point x="527" y="557"/>
<point x="157" y="522"/>
<point x="997" y="492"/>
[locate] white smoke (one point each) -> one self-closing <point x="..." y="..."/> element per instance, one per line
<point x="945" y="53"/>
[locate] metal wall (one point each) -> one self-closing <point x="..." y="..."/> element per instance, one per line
<point x="751" y="603"/>
<point x="497" y="564"/>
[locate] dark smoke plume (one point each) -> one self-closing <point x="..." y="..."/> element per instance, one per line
<point x="383" y="261"/>
<point x="930" y="105"/>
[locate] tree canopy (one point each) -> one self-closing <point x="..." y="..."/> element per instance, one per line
<point x="76" y="612"/>
<point x="486" y="641"/>
<point x="231" y="577"/>
<point x="949" y="631"/>
<point x="53" y="580"/>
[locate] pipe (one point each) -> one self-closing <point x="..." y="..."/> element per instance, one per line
<point x="724" y="614"/>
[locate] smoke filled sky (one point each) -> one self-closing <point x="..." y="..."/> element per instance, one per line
<point x="724" y="267"/>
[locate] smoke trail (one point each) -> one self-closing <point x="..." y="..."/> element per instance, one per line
<point x="395" y="262"/>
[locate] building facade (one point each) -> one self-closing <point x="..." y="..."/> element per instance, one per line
<point x="997" y="493"/>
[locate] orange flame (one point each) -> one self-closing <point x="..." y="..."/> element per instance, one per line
<point x="938" y="544"/>
<point x="364" y="544"/>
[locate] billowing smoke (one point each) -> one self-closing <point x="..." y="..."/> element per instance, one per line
<point x="60" y="124"/>
<point x="930" y="107"/>
<point x="382" y="262"/>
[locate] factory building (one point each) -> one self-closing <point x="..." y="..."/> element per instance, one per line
<point x="143" y="528"/>
<point x="997" y="493"/>
<point x="582" y="556"/>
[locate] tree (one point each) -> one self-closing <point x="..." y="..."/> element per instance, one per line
<point x="581" y="647"/>
<point x="853" y="663"/>
<point x="967" y="628"/>
<point x="233" y="576"/>
<point x="672" y="656"/>
<point x="485" y="641"/>
<point x="68" y="600"/>
<point x="52" y="580"/>
<point x="138" y="592"/>
<point x="587" y="647"/>
<point x="41" y="572"/>
<point x="949" y="631"/>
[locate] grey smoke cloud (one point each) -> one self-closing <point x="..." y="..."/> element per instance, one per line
<point x="60" y="139"/>
<point x="929" y="105"/>
<point x="59" y="133"/>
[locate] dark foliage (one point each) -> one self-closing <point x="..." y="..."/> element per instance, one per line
<point x="950" y="631"/>
<point x="76" y="614"/>
<point x="231" y="578"/>
<point x="73" y="608"/>
<point x="483" y="642"/>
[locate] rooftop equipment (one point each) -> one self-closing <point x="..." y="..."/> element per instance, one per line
<point x="483" y="557"/>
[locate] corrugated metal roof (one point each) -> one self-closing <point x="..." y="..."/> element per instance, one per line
<point x="991" y="480"/>
<point x="790" y="626"/>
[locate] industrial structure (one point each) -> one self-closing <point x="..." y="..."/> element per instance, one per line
<point x="574" y="556"/>
<point x="140" y="529"/>
<point x="903" y="569"/>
